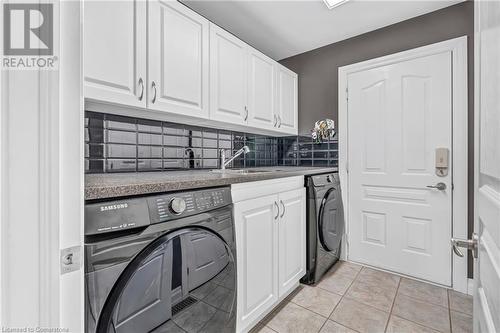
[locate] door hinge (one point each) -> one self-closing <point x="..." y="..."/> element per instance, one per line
<point x="347" y="167"/>
<point x="347" y="94"/>
<point x="452" y="186"/>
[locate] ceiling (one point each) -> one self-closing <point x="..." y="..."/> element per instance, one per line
<point x="282" y="29"/>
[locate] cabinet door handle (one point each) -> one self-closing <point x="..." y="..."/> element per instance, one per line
<point x="141" y="84"/>
<point x="277" y="210"/>
<point x="282" y="205"/>
<point x="275" y="121"/>
<point x="279" y="121"/>
<point x="153" y="86"/>
<point x="246" y="113"/>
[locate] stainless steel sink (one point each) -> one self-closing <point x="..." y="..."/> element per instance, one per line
<point x="238" y="171"/>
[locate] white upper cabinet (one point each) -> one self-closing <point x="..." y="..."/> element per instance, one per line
<point x="115" y="54"/>
<point x="287" y="100"/>
<point x="160" y="55"/>
<point x="228" y="77"/>
<point x="261" y="90"/>
<point x="178" y="54"/>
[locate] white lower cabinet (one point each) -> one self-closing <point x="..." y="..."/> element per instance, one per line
<point x="257" y="252"/>
<point x="292" y="239"/>
<point x="271" y="245"/>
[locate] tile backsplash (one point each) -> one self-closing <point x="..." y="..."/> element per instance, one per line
<point x="125" y="144"/>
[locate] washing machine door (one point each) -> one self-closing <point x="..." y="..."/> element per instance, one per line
<point x="330" y="219"/>
<point x="182" y="280"/>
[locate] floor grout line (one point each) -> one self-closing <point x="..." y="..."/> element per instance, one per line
<point x="303" y="307"/>
<point x="343" y="325"/>
<point x="341" y="298"/>
<point x="345" y="296"/>
<point x="392" y="306"/>
<point x="412" y="321"/>
<point x="425" y="301"/>
<point x="418" y="324"/>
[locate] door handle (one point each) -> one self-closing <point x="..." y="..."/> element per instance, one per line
<point x="277" y="210"/>
<point x="468" y="244"/>
<point x="438" y="186"/>
<point x="141" y="84"/>
<point x="282" y="205"/>
<point x="153" y="86"/>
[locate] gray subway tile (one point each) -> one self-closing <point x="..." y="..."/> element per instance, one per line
<point x="149" y="139"/>
<point x="121" y="151"/>
<point x="149" y="152"/>
<point x="149" y="164"/>
<point x="150" y="126"/>
<point x="170" y="140"/>
<point x="115" y="165"/>
<point x="182" y="146"/>
<point x="119" y="122"/>
<point x="113" y="136"/>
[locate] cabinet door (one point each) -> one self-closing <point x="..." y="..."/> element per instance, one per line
<point x="228" y="77"/>
<point x="261" y="90"/>
<point x="256" y="228"/>
<point x="178" y="59"/>
<point x="292" y="239"/>
<point x="114" y="51"/>
<point x="287" y="100"/>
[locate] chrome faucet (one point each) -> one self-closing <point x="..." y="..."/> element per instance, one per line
<point x="224" y="162"/>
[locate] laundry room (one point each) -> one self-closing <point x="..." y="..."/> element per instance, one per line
<point x="302" y="166"/>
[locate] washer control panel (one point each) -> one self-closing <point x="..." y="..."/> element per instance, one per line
<point x="119" y="215"/>
<point x="172" y="206"/>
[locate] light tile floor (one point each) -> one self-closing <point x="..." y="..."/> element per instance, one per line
<point x="352" y="298"/>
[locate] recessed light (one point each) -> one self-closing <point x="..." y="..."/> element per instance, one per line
<point x="334" y="3"/>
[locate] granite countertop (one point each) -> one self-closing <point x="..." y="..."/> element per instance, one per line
<point x="113" y="185"/>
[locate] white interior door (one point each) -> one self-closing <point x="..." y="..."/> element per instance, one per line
<point x="398" y="115"/>
<point x="487" y="224"/>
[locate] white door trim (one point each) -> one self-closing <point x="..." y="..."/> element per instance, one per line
<point x="458" y="48"/>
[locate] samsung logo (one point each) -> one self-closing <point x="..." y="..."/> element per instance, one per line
<point x="114" y="207"/>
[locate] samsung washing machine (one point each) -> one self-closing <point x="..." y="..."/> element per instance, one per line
<point x="325" y="225"/>
<point x="161" y="263"/>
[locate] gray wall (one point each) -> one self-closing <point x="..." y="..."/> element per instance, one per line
<point x="318" y="69"/>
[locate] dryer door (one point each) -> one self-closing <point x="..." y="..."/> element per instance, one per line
<point x="331" y="220"/>
<point x="184" y="279"/>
